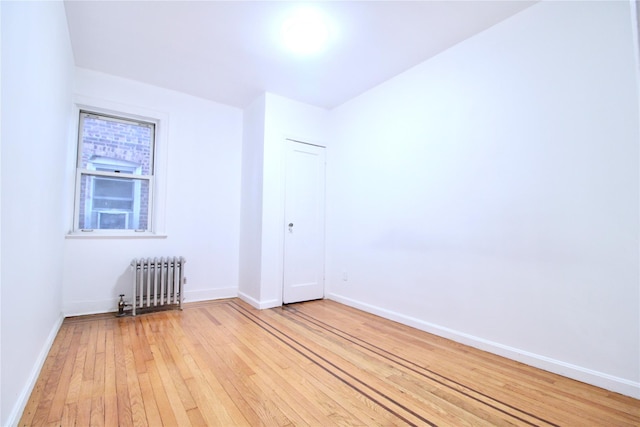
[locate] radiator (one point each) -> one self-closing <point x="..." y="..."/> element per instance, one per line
<point x="157" y="283"/>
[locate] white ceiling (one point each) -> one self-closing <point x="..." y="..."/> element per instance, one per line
<point x="229" y="51"/>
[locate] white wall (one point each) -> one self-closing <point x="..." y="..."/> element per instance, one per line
<point x="37" y="73"/>
<point x="283" y="118"/>
<point x="490" y="194"/>
<point x="251" y="205"/>
<point x="202" y="205"/>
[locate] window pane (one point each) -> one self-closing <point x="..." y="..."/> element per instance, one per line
<point x="123" y="143"/>
<point x="112" y="221"/>
<point x="107" y="204"/>
<point x="113" y="203"/>
<point x="109" y="187"/>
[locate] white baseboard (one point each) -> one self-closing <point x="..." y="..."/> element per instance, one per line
<point x="589" y="376"/>
<point x="83" y="308"/>
<point x="261" y="305"/>
<point x="23" y="398"/>
<point x="210" y="294"/>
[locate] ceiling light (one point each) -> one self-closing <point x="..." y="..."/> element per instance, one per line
<point x="305" y="31"/>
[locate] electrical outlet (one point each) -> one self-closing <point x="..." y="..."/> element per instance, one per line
<point x="345" y="276"/>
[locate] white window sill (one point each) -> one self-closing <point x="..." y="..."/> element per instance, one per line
<point x="114" y="235"/>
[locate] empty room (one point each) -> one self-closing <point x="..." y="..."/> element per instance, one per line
<point x="320" y="213"/>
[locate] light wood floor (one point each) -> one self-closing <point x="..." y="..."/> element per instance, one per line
<point x="318" y="363"/>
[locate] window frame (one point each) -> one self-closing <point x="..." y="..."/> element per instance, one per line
<point x="157" y="179"/>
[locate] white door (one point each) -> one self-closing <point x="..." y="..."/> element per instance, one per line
<point x="304" y="223"/>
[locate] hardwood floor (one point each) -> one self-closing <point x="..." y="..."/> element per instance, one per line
<point x="318" y="363"/>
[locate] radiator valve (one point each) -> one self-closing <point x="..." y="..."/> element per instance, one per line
<point x="122" y="306"/>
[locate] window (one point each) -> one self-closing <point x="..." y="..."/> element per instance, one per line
<point x="115" y="172"/>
